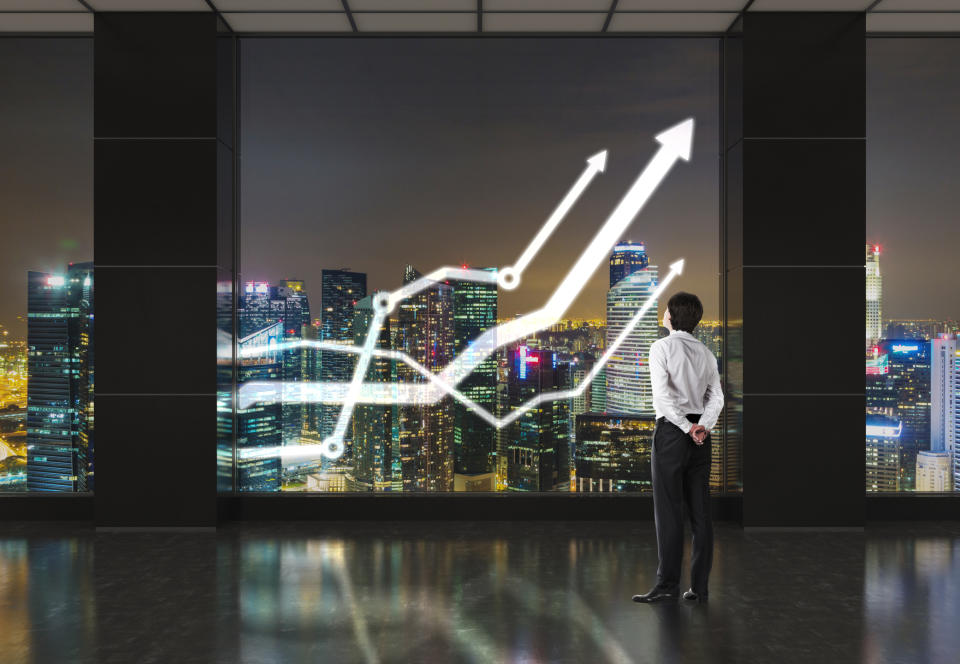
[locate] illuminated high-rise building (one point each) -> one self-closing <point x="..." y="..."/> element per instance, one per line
<point x="598" y="391"/>
<point x="474" y="440"/>
<point x="340" y="290"/>
<point x="627" y="258"/>
<point x="905" y="389"/>
<point x="425" y="331"/>
<point x="874" y="295"/>
<point x="538" y="442"/>
<point x="372" y="423"/>
<point x="259" y="425"/>
<point x="292" y="294"/>
<point x="933" y="471"/>
<point x="945" y="401"/>
<point x="883" y="453"/>
<point x="628" y="375"/>
<point x="613" y="452"/>
<point x="60" y="381"/>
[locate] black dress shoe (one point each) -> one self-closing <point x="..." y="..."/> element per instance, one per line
<point x="692" y="596"/>
<point x="658" y="594"/>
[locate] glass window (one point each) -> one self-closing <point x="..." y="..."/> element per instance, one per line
<point x="46" y="254"/>
<point x="912" y="296"/>
<point x="369" y="164"/>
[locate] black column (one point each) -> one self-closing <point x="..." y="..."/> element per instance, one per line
<point x="793" y="234"/>
<point x="156" y="158"/>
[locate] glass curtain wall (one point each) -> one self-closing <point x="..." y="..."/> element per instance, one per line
<point x="47" y="336"/>
<point x="912" y="357"/>
<point x="367" y="165"/>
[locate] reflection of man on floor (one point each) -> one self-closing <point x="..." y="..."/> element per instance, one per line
<point x="687" y="399"/>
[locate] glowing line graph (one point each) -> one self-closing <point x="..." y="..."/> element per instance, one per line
<point x="675" y="144"/>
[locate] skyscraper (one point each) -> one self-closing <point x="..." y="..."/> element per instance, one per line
<point x="883" y="453"/>
<point x="945" y="401"/>
<point x="296" y="318"/>
<point x="339" y="292"/>
<point x="628" y="374"/>
<point x="874" y="295"/>
<point x="60" y="385"/>
<point x="425" y="331"/>
<point x="933" y="471"/>
<point x="537" y="443"/>
<point x="907" y="384"/>
<point x="372" y="423"/>
<point x="259" y="425"/>
<point x="474" y="440"/>
<point x="627" y="258"/>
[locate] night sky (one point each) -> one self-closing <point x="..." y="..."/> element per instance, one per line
<point x="372" y="153"/>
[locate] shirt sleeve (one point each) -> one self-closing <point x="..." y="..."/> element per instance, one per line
<point x="664" y="399"/>
<point x="714" y="401"/>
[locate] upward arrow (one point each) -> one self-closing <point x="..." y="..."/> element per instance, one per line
<point x="595" y="164"/>
<point x="675" y="144"/>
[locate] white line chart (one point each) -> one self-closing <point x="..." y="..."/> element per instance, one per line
<point x="675" y="144"/>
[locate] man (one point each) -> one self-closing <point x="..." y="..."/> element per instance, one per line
<point x="687" y="399"/>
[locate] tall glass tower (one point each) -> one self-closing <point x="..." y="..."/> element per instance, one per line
<point x="874" y="295"/>
<point x="628" y="374"/>
<point x="372" y="423"/>
<point x="60" y="379"/>
<point x="340" y="291"/>
<point x="474" y="441"/>
<point x="945" y="401"/>
<point x="627" y="258"/>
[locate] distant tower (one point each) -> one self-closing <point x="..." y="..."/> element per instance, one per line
<point x="425" y="331"/>
<point x="627" y="258"/>
<point x="474" y="440"/>
<point x="538" y="442"/>
<point x="372" y="423"/>
<point x="883" y="453"/>
<point x="628" y="374"/>
<point x="292" y="294"/>
<point x="260" y="424"/>
<point x="933" y="471"/>
<point x="340" y="290"/>
<point x="874" y="296"/>
<point x="945" y="401"/>
<point x="60" y="379"/>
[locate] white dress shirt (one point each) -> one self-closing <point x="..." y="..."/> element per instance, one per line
<point x="685" y="380"/>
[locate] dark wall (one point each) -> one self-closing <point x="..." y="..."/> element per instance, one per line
<point x="793" y="232"/>
<point x="156" y="262"/>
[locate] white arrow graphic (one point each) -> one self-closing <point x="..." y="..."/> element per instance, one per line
<point x="509" y="277"/>
<point x="675" y="144"/>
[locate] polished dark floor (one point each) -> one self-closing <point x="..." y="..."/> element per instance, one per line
<point x="471" y="592"/>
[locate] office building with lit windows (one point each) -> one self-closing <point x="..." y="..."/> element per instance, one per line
<point x="874" y="295"/>
<point x="260" y="424"/>
<point x="613" y="452"/>
<point x="627" y="258"/>
<point x="933" y="471"/>
<point x="628" y="374"/>
<point x="474" y="440"/>
<point x="883" y="453"/>
<point x="340" y="290"/>
<point x="60" y="379"/>
<point x="945" y="401"/>
<point x="537" y="445"/>
<point x="372" y="423"/>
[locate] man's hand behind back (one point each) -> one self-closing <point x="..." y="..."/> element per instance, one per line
<point x="699" y="433"/>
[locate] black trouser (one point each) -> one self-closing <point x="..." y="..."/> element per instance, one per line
<point x="681" y="473"/>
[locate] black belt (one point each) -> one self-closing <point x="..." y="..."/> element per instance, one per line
<point x="690" y="418"/>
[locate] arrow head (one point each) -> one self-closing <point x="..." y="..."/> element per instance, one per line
<point x="677" y="266"/>
<point x="598" y="161"/>
<point x="678" y="139"/>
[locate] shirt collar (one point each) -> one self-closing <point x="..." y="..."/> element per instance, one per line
<point x="682" y="333"/>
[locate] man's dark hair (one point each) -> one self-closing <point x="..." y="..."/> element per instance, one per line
<point x="685" y="311"/>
